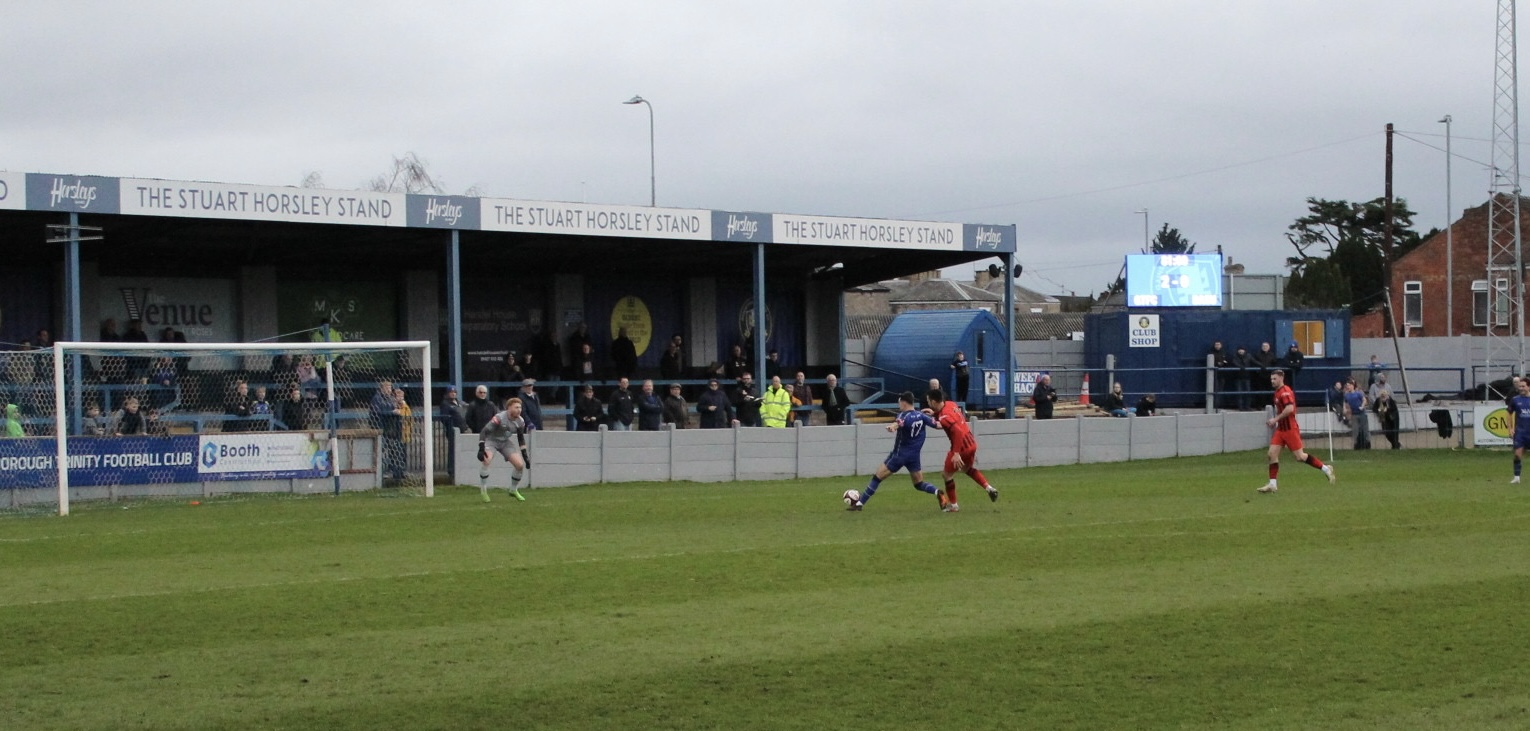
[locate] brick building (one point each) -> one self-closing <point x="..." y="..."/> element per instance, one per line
<point x="1419" y="283"/>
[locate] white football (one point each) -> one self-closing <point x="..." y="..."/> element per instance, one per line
<point x="852" y="497"/>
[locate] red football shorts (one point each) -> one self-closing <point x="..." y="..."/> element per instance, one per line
<point x="1291" y="439"/>
<point x="969" y="459"/>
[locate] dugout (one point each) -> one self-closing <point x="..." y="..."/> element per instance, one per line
<point x="478" y="277"/>
<point x="919" y="345"/>
<point x="1163" y="350"/>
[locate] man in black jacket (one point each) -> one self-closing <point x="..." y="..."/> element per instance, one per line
<point x="1044" y="396"/>
<point x="1266" y="360"/>
<point x="746" y="401"/>
<point x="714" y="408"/>
<point x="1223" y="377"/>
<point x="587" y="410"/>
<point x="835" y="401"/>
<point x="1243" y="383"/>
<point x="623" y="354"/>
<point x="675" y="412"/>
<point x="620" y="407"/>
<point x="479" y="411"/>
<point x="650" y="408"/>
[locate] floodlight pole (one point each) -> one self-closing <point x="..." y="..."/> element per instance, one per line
<point x="652" y="194"/>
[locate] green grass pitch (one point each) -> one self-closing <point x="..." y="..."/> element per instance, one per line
<point x="1155" y="594"/>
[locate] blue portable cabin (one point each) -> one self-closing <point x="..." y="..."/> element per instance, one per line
<point x="919" y="345"/>
<point x="1174" y="364"/>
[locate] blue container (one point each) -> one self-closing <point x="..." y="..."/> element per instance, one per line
<point x="918" y="346"/>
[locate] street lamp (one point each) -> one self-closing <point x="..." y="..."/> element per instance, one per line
<point x="652" y="195"/>
<point x="1450" y="280"/>
<point x="1146" y="246"/>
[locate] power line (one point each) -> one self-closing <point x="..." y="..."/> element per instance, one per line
<point x="1154" y="181"/>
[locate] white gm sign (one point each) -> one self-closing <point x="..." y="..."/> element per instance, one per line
<point x="1144" y="331"/>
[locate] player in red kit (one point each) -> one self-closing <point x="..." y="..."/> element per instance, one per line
<point x="1287" y="434"/>
<point x="963" y="454"/>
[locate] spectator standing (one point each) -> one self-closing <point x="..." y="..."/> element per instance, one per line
<point x="737" y="364"/>
<point x="1376" y="369"/>
<point x="544" y="356"/>
<point x="452" y="410"/>
<point x="584" y="362"/>
<point x="42" y="367"/>
<point x="1377" y="386"/>
<point x="671" y="362"/>
<point x="963" y="376"/>
<point x="509" y="372"/>
<point x="802" y="399"/>
<point x="1293" y="360"/>
<point x="324" y="333"/>
<point x="1335" y="398"/>
<point x="835" y="401"/>
<point x="308" y="377"/>
<point x="405" y="431"/>
<point x="675" y="412"/>
<point x="1386" y="414"/>
<point x="577" y="339"/>
<point x="531" y="404"/>
<point x="621" y="407"/>
<point x="385" y="418"/>
<point x="588" y="411"/>
<point x="1044" y="396"/>
<point x="113" y="367"/>
<point x="746" y="401"/>
<point x="775" y="405"/>
<point x="714" y="408"/>
<point x="1242" y="363"/>
<point x="623" y="354"/>
<point x="138" y="365"/>
<point x="795" y="415"/>
<point x="1222" y="378"/>
<point x="1354" y="410"/>
<point x="650" y="408"/>
<point x="11" y="422"/>
<point x="240" y="405"/>
<point x="260" y="408"/>
<point x="283" y="369"/>
<point x="480" y="410"/>
<point x="293" y="411"/>
<point x="1266" y="360"/>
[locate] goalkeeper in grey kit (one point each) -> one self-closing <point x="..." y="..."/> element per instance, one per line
<point x="505" y="434"/>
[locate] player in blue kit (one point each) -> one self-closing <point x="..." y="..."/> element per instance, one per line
<point x="1519" y="415"/>
<point x="911" y="427"/>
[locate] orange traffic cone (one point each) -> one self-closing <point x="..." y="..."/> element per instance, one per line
<point x="1083" y="392"/>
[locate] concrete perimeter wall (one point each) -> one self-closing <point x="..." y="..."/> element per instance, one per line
<point x="560" y="459"/>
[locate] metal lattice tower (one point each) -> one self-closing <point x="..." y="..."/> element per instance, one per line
<point x="1506" y="281"/>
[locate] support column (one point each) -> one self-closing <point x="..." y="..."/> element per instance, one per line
<point x="454" y="305"/>
<point x="1009" y="326"/>
<point x="759" y="316"/>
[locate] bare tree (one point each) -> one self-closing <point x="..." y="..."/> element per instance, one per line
<point x="409" y="175"/>
<point x="314" y="179"/>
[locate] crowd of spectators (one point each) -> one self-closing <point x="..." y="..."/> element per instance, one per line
<point x="1243" y="378"/>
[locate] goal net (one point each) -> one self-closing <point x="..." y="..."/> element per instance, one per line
<point x="118" y="421"/>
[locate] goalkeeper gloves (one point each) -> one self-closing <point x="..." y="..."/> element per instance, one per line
<point x="483" y="452"/>
<point x="526" y="455"/>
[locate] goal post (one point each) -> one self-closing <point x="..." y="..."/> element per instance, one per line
<point x="175" y="419"/>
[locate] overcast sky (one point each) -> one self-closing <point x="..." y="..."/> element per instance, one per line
<point x="1220" y="117"/>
